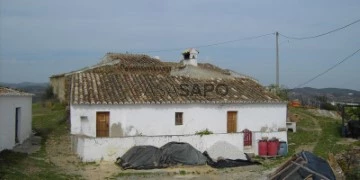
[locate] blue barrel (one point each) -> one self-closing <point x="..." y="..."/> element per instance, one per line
<point x="282" y="148"/>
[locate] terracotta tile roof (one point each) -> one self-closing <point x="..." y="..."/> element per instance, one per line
<point x="5" y="91"/>
<point x="131" y="59"/>
<point x="133" y="88"/>
<point x="118" y="62"/>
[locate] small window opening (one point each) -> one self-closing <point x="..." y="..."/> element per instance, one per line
<point x="186" y="55"/>
<point x="178" y="118"/>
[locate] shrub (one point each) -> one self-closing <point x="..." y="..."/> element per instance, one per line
<point x="204" y="132"/>
<point x="49" y="94"/>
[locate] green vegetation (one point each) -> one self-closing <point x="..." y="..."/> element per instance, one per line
<point x="36" y="166"/>
<point x="135" y="174"/>
<point x="324" y="103"/>
<point x="49" y="118"/>
<point x="48" y="93"/>
<point x="352" y="113"/>
<point x="204" y="132"/>
<point x="322" y="133"/>
<point x="318" y="134"/>
<point x="282" y="91"/>
<point x="331" y="134"/>
<point x="348" y="162"/>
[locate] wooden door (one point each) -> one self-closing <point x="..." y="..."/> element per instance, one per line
<point x="102" y="124"/>
<point x="231" y="121"/>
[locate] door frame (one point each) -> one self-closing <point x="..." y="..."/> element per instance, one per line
<point x="107" y="121"/>
<point x="17" y="124"/>
<point x="228" y="130"/>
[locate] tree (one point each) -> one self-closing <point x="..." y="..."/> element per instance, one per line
<point x="49" y="94"/>
<point x="354" y="113"/>
<point x="282" y="91"/>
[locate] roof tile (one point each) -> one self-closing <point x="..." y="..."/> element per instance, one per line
<point x="5" y="91"/>
<point x="129" y="88"/>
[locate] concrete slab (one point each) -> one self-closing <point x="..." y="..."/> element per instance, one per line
<point x="29" y="146"/>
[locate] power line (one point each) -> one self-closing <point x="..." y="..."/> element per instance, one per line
<point x="323" y="34"/>
<point x="329" y="69"/>
<point x="208" y="45"/>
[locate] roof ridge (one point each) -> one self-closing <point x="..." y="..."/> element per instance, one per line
<point x="7" y="91"/>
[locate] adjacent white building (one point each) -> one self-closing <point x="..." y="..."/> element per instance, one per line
<point x="15" y="117"/>
<point x="111" y="112"/>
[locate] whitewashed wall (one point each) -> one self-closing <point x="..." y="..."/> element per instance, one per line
<point x="108" y="149"/>
<point x="281" y="136"/>
<point x="8" y="105"/>
<point x="159" y="119"/>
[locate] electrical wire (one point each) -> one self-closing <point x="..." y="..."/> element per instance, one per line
<point x="329" y="69"/>
<point x="323" y="34"/>
<point x="208" y="45"/>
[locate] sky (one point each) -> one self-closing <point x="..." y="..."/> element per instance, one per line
<point x="42" y="38"/>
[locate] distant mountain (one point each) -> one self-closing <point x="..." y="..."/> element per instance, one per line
<point x="23" y="84"/>
<point x="308" y="94"/>
<point x="38" y="89"/>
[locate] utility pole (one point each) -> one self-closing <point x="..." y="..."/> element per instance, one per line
<point x="277" y="60"/>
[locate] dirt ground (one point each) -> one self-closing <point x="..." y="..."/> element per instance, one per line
<point x="325" y="113"/>
<point x="59" y="153"/>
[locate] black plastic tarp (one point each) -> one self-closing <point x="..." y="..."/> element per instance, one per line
<point x="150" y="157"/>
<point x="224" y="163"/>
<point x="140" y="157"/>
<point x="304" y="165"/>
<point x="172" y="153"/>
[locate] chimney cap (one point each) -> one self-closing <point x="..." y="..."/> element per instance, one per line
<point x="190" y="50"/>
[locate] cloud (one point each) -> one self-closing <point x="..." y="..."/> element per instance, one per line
<point x="46" y="37"/>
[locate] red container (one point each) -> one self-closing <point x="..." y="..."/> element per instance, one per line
<point x="263" y="149"/>
<point x="273" y="147"/>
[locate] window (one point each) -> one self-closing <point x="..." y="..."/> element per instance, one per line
<point x="178" y="118"/>
<point x="186" y="55"/>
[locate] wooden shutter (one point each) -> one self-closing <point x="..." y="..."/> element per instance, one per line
<point x="247" y="137"/>
<point x="102" y="124"/>
<point x="231" y="121"/>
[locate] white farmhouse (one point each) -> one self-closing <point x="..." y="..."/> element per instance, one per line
<point x="15" y="117"/>
<point x="143" y="101"/>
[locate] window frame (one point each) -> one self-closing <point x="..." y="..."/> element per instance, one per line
<point x="107" y="123"/>
<point x="179" y="118"/>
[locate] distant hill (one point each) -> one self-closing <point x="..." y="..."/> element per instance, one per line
<point x="23" y="84"/>
<point x="35" y="88"/>
<point x="308" y="94"/>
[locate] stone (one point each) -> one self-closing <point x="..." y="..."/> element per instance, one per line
<point x="225" y="150"/>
